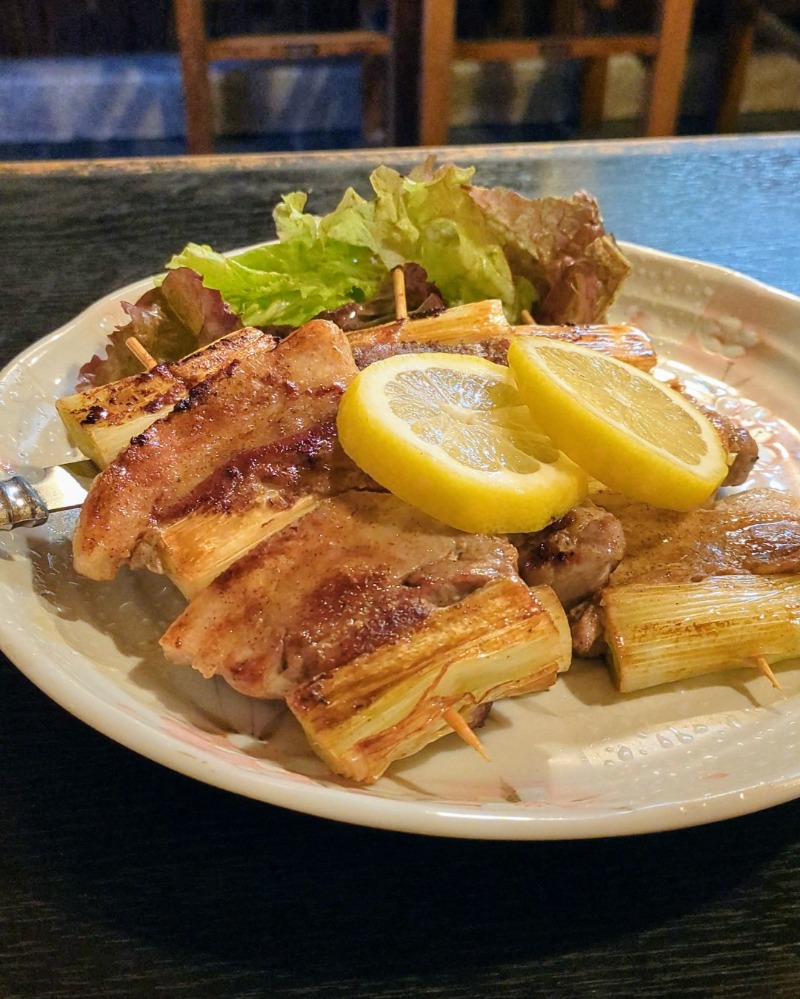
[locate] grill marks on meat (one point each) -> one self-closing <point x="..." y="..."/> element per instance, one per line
<point x="244" y="501"/>
<point x="360" y="571"/>
<point x="311" y="461"/>
<point x="574" y="555"/>
<point x="258" y="400"/>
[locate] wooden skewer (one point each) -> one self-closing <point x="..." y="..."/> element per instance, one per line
<point x="400" y="305"/>
<point x="141" y="355"/>
<point x="527" y="317"/>
<point x="463" y="731"/>
<point x="764" y="667"/>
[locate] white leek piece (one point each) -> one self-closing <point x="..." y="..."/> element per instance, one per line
<point x="101" y="421"/>
<point x="500" y="641"/>
<point x="661" y="632"/>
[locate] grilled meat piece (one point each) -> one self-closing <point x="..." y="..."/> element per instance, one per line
<point x="757" y="532"/>
<point x="494" y="349"/>
<point x="586" y="625"/>
<point x="254" y="401"/>
<point x="737" y="442"/>
<point x="254" y="495"/>
<point x="491" y="338"/>
<point x="361" y="570"/>
<point x="311" y="461"/>
<point x="574" y="555"/>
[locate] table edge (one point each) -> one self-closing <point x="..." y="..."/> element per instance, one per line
<point x="574" y="149"/>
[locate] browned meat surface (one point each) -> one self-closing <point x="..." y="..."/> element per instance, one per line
<point x="737" y="442"/>
<point x="242" y="502"/>
<point x="257" y="400"/>
<point x="628" y="343"/>
<point x="575" y="555"/>
<point x="360" y="570"/>
<point x="586" y="628"/>
<point x="756" y="531"/>
<point x="494" y="349"/>
<point x="311" y="461"/>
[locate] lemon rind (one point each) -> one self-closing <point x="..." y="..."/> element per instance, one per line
<point x="468" y="499"/>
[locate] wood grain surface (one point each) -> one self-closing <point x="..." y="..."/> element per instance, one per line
<point x="121" y="878"/>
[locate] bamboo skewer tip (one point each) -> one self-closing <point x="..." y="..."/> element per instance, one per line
<point x="145" y="358"/>
<point x="400" y="304"/>
<point x="526" y="317"/>
<point x="463" y="731"/>
<point x="764" y="667"/>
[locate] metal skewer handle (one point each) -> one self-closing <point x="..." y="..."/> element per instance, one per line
<point x="20" y="504"/>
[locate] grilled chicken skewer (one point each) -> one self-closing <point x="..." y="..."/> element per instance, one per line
<point x="250" y="404"/>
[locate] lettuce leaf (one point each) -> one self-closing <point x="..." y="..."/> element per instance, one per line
<point x="322" y="262"/>
<point x="427" y="217"/>
<point x="548" y="255"/>
<point x="551" y="256"/>
<point x="561" y="247"/>
<point x="291" y="281"/>
<point x="169" y="321"/>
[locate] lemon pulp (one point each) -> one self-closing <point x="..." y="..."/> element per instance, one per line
<point x="620" y="424"/>
<point x="451" y="435"/>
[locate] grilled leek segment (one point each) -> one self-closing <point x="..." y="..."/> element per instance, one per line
<point x="461" y="324"/>
<point x="101" y="421"/>
<point x="626" y="343"/>
<point x="482" y="321"/>
<point x="502" y="640"/>
<point x="195" y="548"/>
<point x="661" y="632"/>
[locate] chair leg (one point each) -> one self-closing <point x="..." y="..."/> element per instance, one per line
<point x="737" y="48"/>
<point x="405" y="19"/>
<point x="593" y="95"/>
<point x="374" y="116"/>
<point x="190" y="27"/>
<point x="438" y="46"/>
<point x="670" y="66"/>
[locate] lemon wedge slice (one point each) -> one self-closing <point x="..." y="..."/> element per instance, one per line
<point x="450" y="435"/>
<point x="621" y="425"/>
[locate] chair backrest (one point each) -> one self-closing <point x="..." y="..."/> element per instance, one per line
<point x="667" y="46"/>
<point x="197" y="50"/>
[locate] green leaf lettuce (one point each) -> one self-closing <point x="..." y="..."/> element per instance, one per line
<point x="549" y="255"/>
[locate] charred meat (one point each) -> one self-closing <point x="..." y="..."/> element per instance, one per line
<point x="361" y="570"/>
<point x="575" y="555"/>
<point x="264" y="397"/>
<point x="756" y="532"/>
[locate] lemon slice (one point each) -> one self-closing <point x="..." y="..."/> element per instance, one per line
<point x="625" y="428"/>
<point x="450" y="435"/>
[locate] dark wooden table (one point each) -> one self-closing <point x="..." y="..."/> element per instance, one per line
<point x="120" y="878"/>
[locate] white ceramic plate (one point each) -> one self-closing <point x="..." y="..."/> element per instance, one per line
<point x="579" y="760"/>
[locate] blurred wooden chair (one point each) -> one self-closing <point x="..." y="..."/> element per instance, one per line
<point x="667" y="45"/>
<point x="742" y="19"/>
<point x="197" y="50"/>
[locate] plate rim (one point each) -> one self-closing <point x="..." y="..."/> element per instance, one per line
<point x="355" y="805"/>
